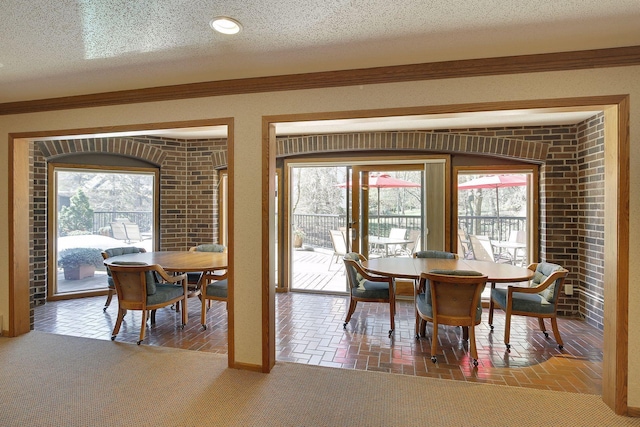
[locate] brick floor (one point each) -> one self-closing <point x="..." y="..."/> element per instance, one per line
<point x="310" y="331"/>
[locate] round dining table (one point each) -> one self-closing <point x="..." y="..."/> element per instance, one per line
<point x="411" y="268"/>
<point x="177" y="261"/>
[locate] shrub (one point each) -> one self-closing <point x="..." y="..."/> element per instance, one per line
<point x="75" y="257"/>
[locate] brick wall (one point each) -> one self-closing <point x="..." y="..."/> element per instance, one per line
<point x="188" y="189"/>
<point x="571" y="184"/>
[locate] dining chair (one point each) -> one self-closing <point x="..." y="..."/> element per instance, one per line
<point x="137" y="289"/>
<point x="420" y="327"/>
<point x="193" y="278"/>
<point x="365" y="287"/>
<point x="539" y="299"/>
<point x="108" y="253"/>
<point x="213" y="287"/>
<point x="455" y="301"/>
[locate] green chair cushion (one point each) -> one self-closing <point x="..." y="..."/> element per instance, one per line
<point x="115" y="252"/>
<point x="210" y="248"/>
<point x="217" y="289"/>
<point x="528" y="303"/>
<point x="435" y="254"/>
<point x="164" y="292"/>
<point x="544" y="270"/>
<point x="373" y="290"/>
<point x="149" y="276"/>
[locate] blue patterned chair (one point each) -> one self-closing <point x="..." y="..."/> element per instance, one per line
<point x="539" y="300"/>
<point x="108" y="253"/>
<point x="365" y="287"/>
<point x="454" y="300"/>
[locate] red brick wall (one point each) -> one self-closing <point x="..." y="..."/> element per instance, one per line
<point x="188" y="189"/>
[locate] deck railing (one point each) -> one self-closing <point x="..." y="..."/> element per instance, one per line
<point x="316" y="227"/>
<point x="104" y="219"/>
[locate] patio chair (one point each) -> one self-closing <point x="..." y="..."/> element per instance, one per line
<point x="483" y="250"/>
<point x="539" y="300"/>
<point x="365" y="287"/>
<point x="455" y="301"/>
<point x="339" y="243"/>
<point x="108" y="253"/>
<point x="400" y="234"/>
<point x="138" y="289"/>
<point x="118" y="231"/>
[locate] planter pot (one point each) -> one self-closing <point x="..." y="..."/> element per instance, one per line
<point x="297" y="241"/>
<point x="77" y="273"/>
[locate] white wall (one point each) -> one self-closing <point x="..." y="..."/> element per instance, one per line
<point x="248" y="110"/>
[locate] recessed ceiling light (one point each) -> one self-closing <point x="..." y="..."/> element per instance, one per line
<point x="225" y="25"/>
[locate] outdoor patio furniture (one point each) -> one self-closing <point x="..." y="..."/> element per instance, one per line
<point x="483" y="250"/>
<point x="118" y="231"/>
<point x="339" y="243"/>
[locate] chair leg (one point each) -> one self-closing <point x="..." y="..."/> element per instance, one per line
<point x="434" y="342"/>
<point x="143" y="326"/>
<point x="472" y="345"/>
<point x="109" y="297"/>
<point x="203" y="312"/>
<point x="116" y="328"/>
<point x="507" y="327"/>
<point x="542" y="327"/>
<point x="392" y="311"/>
<point x="153" y="317"/>
<point x="491" y="307"/>
<point x="185" y="314"/>
<point x="418" y="319"/>
<point x="352" y="308"/>
<point x="556" y="332"/>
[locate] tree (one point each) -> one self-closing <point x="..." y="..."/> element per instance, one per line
<point x="77" y="218"/>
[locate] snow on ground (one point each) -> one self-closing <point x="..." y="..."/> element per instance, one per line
<point x="99" y="242"/>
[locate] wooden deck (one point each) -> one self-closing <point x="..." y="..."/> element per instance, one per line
<point x="314" y="270"/>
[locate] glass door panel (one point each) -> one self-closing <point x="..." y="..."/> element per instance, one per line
<point x="93" y="210"/>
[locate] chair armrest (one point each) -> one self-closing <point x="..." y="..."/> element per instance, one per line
<point x="559" y="274"/>
<point x="169" y="279"/>
<point x="372" y="277"/>
<point x="208" y="277"/>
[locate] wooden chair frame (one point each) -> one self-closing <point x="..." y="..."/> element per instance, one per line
<point x="557" y="275"/>
<point x="131" y="288"/>
<point x="112" y="291"/>
<point x="451" y="306"/>
<point x="207" y="278"/>
<point x="353" y="300"/>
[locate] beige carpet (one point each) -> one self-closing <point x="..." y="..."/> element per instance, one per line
<point x="53" y="380"/>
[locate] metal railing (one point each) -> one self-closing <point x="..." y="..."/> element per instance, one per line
<point x="102" y="220"/>
<point x="497" y="228"/>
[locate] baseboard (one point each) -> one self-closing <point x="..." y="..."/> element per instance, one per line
<point x="246" y="367"/>
<point x="633" y="412"/>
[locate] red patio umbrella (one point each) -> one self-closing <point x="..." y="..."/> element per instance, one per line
<point x="495" y="181"/>
<point x="384" y="180"/>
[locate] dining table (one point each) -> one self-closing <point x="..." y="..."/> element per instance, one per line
<point x="412" y="268"/>
<point x="176" y="261"/>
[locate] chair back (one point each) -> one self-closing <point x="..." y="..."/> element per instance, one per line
<point x="209" y="247"/>
<point x="339" y="242"/>
<point x="548" y="272"/>
<point x="481" y="248"/>
<point x="134" y="282"/>
<point x="352" y="267"/>
<point x="118" y="231"/>
<point x="455" y="296"/>
<point x="398" y="233"/>
<point x="108" y="253"/>
<point x="133" y="232"/>
<point x="435" y="254"/>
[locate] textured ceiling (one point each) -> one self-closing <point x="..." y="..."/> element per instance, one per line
<point x="71" y="47"/>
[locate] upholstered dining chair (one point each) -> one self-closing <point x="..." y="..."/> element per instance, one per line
<point x="212" y="287"/>
<point x="137" y="289"/>
<point x="455" y="301"/>
<point x="194" y="278"/>
<point x="365" y="287"/>
<point x="431" y="253"/>
<point x="108" y="253"/>
<point x="539" y="300"/>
